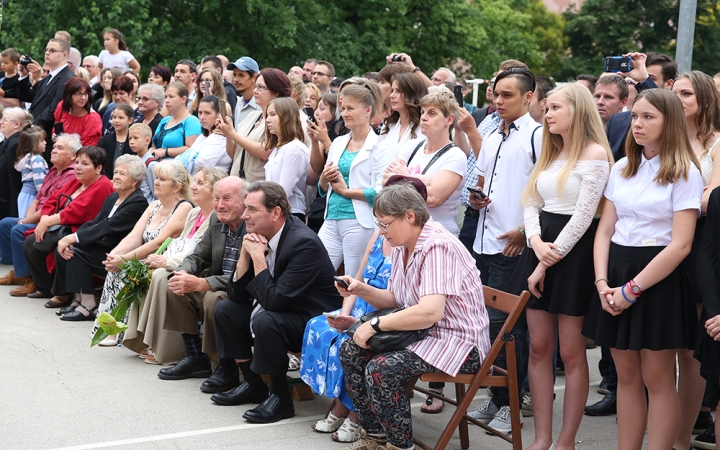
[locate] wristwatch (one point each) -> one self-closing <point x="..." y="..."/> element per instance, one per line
<point x="375" y="323"/>
<point x="634" y="288"/>
<point x="417" y="69"/>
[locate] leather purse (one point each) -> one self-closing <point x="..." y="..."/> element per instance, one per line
<point x="388" y="341"/>
<point x="54" y="232"/>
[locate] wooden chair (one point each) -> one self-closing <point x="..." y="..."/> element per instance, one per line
<point x="487" y="375"/>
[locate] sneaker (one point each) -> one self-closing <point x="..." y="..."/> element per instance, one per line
<point x="526" y="406"/>
<point x="706" y="440"/>
<point x="485" y="412"/>
<point x="703" y="421"/>
<point x="501" y="421"/>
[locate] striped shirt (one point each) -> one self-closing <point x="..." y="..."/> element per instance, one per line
<point x="35" y="169"/>
<point x="440" y="264"/>
<point x="487" y="126"/>
<point x="233" y="242"/>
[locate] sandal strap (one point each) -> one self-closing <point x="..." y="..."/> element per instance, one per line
<point x="429" y="399"/>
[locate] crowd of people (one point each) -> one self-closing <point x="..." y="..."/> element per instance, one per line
<point x="297" y="203"/>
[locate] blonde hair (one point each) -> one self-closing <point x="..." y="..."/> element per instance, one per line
<point x="176" y="171"/>
<point x="444" y="100"/>
<point x="298" y="90"/>
<point x="144" y="130"/>
<point x="586" y="128"/>
<point x="676" y="153"/>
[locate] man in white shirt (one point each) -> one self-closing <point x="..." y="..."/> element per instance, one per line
<point x="506" y="159"/>
<point x="90" y="63"/>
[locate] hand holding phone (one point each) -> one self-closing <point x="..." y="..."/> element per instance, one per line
<point x="332" y="315"/>
<point x="341" y="282"/>
<point x="477" y="192"/>
<point x="457" y="89"/>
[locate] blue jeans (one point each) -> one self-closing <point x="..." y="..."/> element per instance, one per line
<point x="12" y="245"/>
<point x="496" y="272"/>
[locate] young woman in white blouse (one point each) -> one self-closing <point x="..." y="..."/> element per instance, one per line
<point x="645" y="233"/>
<point x="561" y="201"/>
<point x="289" y="157"/>
<point x="403" y="122"/>
<point x="701" y="104"/>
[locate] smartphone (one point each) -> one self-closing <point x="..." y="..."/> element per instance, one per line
<point x="58" y="127"/>
<point x="341" y="282"/>
<point x="222" y="106"/>
<point x="207" y="87"/>
<point x="332" y="315"/>
<point x="310" y="113"/>
<point x="618" y="64"/>
<point x="477" y="191"/>
<point x="457" y="90"/>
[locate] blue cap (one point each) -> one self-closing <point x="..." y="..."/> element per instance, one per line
<point x="245" y="63"/>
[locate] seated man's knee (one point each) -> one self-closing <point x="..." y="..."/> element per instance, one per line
<point x="264" y="325"/>
<point x="222" y="309"/>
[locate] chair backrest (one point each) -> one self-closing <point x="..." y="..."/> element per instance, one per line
<point x="510" y="304"/>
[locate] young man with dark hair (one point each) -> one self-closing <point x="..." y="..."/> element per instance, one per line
<point x="214" y="62"/>
<point x="185" y="71"/>
<point x="543" y="85"/>
<point x="245" y="71"/>
<point x="322" y="75"/>
<point x="588" y="81"/>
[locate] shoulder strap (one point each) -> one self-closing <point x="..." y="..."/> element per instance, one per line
<point x="178" y="204"/>
<point x="532" y="143"/>
<point x="437" y="156"/>
<point x="242" y="156"/>
<point x="149" y="161"/>
<point x="412" y="155"/>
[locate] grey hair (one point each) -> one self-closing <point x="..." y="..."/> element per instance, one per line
<point x="17" y="113"/>
<point x="136" y="167"/>
<point x="398" y="199"/>
<point x="212" y="175"/>
<point x="451" y="76"/>
<point x="73" y="141"/>
<point x="156" y="92"/>
<point x="92" y="59"/>
<point x="75" y="57"/>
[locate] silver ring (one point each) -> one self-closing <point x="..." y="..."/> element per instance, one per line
<point x="612" y="302"/>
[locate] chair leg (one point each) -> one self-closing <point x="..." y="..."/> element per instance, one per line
<point x="463" y="427"/>
<point x="514" y="396"/>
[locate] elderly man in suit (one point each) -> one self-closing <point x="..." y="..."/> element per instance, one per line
<point x="46" y="93"/>
<point x="199" y="282"/>
<point x="283" y="278"/>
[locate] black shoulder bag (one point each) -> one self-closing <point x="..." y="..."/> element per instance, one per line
<point x="388" y="341"/>
<point x="437" y="156"/>
<point x="55" y="232"/>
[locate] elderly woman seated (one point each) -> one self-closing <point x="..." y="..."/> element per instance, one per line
<point x="435" y="285"/>
<point x="79" y="256"/>
<point x="146" y="334"/>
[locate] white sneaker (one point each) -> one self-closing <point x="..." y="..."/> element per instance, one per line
<point x="485" y="412"/>
<point x="501" y="422"/>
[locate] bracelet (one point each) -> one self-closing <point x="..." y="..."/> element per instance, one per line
<point x="522" y="230"/>
<point x="601" y="279"/>
<point x="622" y="289"/>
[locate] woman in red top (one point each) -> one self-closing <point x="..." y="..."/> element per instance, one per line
<point x="88" y="191"/>
<point x="75" y="113"/>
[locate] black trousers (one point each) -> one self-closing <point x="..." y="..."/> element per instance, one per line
<point x="74" y="276"/>
<point x="276" y="333"/>
<point x="38" y="267"/>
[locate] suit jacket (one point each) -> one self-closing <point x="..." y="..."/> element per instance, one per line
<point x="619" y="124"/>
<point x="206" y="260"/>
<point x="303" y="276"/>
<point x="45" y="101"/>
<point x="479" y="115"/>
<point x="10" y="179"/>
<point x="108" y="143"/>
<point x="106" y="232"/>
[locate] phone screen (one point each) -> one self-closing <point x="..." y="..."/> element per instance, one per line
<point x="459" y="95"/>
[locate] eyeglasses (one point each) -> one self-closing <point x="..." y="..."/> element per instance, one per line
<point x="4" y="120"/>
<point x="384" y="226"/>
<point x="260" y="88"/>
<point x="88" y="66"/>
<point x="52" y="50"/>
<point x="146" y="99"/>
<point x="81" y="94"/>
<point x="320" y="74"/>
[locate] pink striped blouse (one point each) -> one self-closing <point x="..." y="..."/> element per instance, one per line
<point x="440" y="264"/>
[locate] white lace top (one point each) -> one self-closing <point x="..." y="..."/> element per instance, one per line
<point x="579" y="199"/>
<point x="706" y="164"/>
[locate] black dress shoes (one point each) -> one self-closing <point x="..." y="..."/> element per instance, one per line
<point x="271" y="410"/>
<point x="188" y="367"/>
<point x="603" y="387"/>
<point x="225" y="377"/>
<point x="241" y="395"/>
<point x="605" y="407"/>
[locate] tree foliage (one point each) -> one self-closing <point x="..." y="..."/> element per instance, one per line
<point x="353" y="34"/>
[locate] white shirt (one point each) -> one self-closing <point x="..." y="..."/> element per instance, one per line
<point x="288" y="166"/>
<point x="645" y="207"/>
<point x="120" y="60"/>
<point x="453" y="160"/>
<point x="211" y="152"/>
<point x="393" y="142"/>
<point x="505" y="162"/>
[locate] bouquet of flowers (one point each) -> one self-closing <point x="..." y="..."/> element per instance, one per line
<point x="136" y="278"/>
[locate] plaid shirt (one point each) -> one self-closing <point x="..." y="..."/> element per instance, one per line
<point x="487" y="126"/>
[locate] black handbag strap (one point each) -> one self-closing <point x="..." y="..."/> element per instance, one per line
<point x="434" y="159"/>
<point x="60" y="206"/>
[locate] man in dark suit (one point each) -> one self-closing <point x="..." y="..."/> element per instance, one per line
<point x="10" y="183"/>
<point x="199" y="282"/>
<point x="283" y="278"/>
<point x="46" y="93"/>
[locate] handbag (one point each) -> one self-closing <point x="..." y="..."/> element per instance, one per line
<point x="54" y="232"/>
<point x="388" y="341"/>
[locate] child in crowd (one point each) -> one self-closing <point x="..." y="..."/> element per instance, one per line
<point x="31" y="165"/>
<point x="9" y="60"/>
<point x="116" y="53"/>
<point x="139" y="137"/>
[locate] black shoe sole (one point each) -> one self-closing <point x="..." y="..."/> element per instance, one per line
<point x="600" y="413"/>
<point x="256" y="400"/>
<point x="199" y="374"/>
<point x="216" y="389"/>
<point x="285" y="415"/>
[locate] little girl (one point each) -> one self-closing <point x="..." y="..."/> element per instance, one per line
<point x="288" y="163"/>
<point x="116" y="53"/>
<point x="31" y="165"/>
<point x="116" y="143"/>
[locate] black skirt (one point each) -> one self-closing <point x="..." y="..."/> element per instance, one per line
<point x="708" y="353"/>
<point x="568" y="285"/>
<point x="691" y="260"/>
<point x="664" y="317"/>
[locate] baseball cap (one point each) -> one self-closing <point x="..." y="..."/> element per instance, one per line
<point x="245" y="63"/>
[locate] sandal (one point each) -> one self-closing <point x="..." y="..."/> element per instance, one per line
<point x="77" y="316"/>
<point x="150" y="359"/>
<point x="348" y="432"/>
<point x="294" y="363"/>
<point x="67" y="309"/>
<point x="143" y="354"/>
<point x="329" y="424"/>
<point x="430" y="401"/>
<point x="59" y="301"/>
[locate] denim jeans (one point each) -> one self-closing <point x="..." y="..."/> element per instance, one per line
<point x="469" y="228"/>
<point x="12" y="245"/>
<point x="496" y="272"/>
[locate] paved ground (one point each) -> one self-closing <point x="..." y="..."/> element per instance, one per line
<point x="58" y="393"/>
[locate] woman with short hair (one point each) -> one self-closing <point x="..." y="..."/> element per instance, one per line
<point x="151" y="99"/>
<point x="160" y="75"/>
